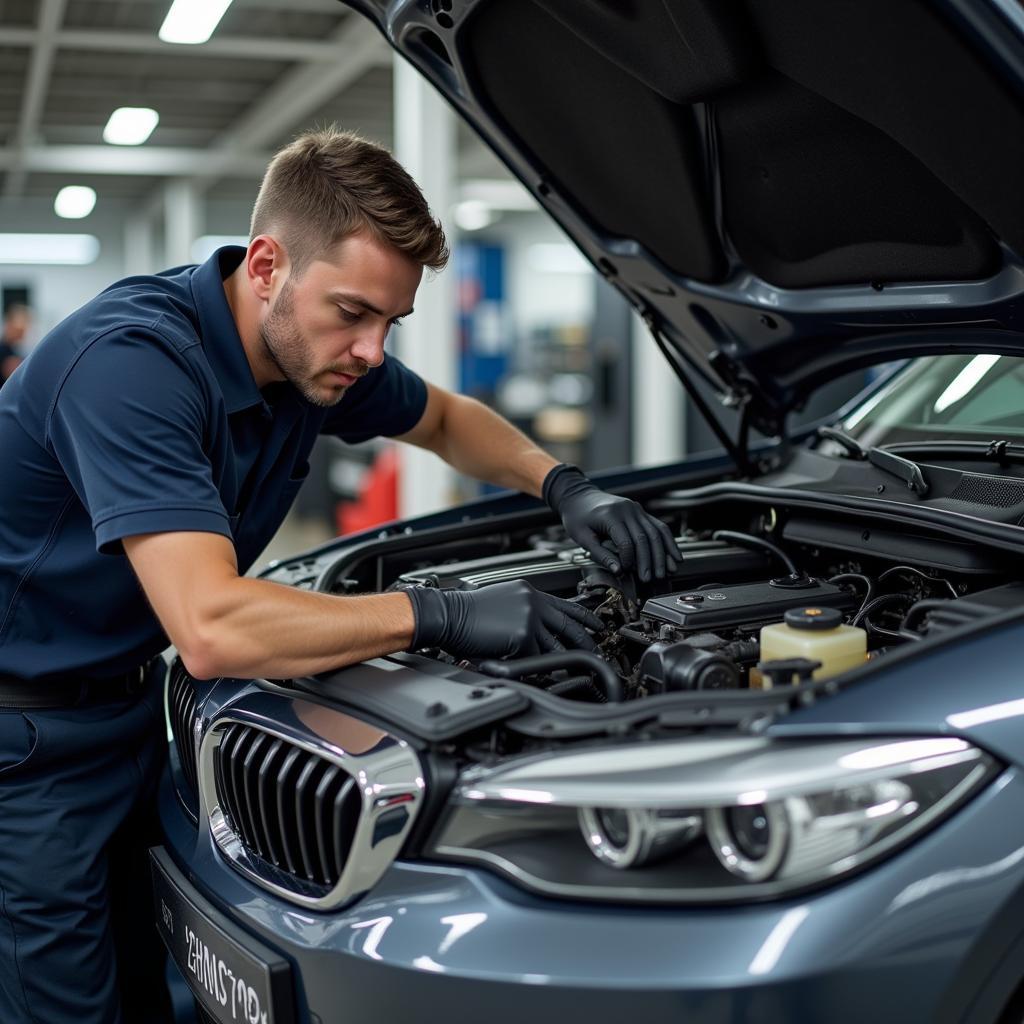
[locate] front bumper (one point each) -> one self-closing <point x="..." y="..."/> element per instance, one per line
<point x="933" y="934"/>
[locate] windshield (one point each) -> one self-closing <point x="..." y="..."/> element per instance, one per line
<point x="945" y="398"/>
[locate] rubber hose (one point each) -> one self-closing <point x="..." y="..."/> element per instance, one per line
<point x="606" y="677"/>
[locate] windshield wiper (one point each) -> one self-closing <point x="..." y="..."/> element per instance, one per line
<point x="849" y="444"/>
<point x="895" y="465"/>
<point x="909" y="472"/>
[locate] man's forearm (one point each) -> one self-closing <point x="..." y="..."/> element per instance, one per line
<point x="482" y="444"/>
<point x="255" y="628"/>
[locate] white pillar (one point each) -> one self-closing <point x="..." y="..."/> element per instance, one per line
<point x="138" y="245"/>
<point x="658" y="402"/>
<point x="425" y="146"/>
<point x="182" y="221"/>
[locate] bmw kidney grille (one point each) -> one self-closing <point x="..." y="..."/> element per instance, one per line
<point x="305" y="800"/>
<point x="291" y="808"/>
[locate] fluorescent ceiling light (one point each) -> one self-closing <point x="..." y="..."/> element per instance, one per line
<point x="53" y="249"/>
<point x="192" y="21"/>
<point x="205" y="246"/>
<point x="130" y="126"/>
<point x="474" y="214"/>
<point x="74" y="202"/>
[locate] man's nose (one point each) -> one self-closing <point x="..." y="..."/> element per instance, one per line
<point x="369" y="347"/>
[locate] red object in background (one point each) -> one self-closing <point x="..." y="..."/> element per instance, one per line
<point x="378" y="496"/>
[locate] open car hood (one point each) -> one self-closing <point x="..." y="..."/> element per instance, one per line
<point x="785" y="189"/>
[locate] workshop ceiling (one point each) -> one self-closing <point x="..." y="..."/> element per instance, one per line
<point x="271" y="68"/>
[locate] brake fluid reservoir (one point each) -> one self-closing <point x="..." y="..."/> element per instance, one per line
<point x="819" y="634"/>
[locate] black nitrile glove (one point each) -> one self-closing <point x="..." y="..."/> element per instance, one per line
<point x="506" y="620"/>
<point x="616" y="531"/>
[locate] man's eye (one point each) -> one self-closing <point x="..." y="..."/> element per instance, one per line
<point x="348" y="316"/>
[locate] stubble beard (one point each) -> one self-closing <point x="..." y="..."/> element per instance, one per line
<point x="284" y="345"/>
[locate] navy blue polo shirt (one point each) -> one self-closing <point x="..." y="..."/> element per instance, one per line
<point x="139" y="414"/>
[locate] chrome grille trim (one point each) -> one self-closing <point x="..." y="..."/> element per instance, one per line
<point x="181" y="712"/>
<point x="317" y="831"/>
<point x="254" y="774"/>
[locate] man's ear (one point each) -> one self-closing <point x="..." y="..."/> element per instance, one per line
<point x="264" y="259"/>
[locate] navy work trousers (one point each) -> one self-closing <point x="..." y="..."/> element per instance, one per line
<point x="77" y="812"/>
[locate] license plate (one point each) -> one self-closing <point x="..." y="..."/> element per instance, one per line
<point x="234" y="977"/>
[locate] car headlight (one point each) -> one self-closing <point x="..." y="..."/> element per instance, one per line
<point x="705" y="819"/>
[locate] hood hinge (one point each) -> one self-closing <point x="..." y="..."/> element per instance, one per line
<point x="738" y="449"/>
<point x="745" y="393"/>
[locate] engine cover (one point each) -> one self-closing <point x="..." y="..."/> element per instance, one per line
<point x="560" y="572"/>
<point x="743" y="604"/>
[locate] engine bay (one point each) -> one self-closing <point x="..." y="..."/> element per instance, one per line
<point x="702" y="627"/>
<point x="763" y="597"/>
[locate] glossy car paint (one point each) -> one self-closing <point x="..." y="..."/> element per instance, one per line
<point x="910" y="939"/>
<point x="933" y="933"/>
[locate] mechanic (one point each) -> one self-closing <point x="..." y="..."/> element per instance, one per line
<point x="157" y="437"/>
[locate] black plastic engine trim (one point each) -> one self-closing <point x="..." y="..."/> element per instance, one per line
<point x="428" y="699"/>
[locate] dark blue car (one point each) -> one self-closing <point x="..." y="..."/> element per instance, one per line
<point x="789" y="787"/>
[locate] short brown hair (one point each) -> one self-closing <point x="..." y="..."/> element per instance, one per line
<point x="329" y="184"/>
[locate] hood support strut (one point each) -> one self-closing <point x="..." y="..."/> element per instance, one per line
<point x="737" y="449"/>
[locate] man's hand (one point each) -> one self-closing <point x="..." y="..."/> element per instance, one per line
<point x="617" y="532"/>
<point x="506" y="620"/>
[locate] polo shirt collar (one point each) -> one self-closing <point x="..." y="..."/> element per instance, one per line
<point x="221" y="343"/>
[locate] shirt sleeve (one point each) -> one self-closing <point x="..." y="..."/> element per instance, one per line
<point x="387" y="402"/>
<point x="127" y="428"/>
